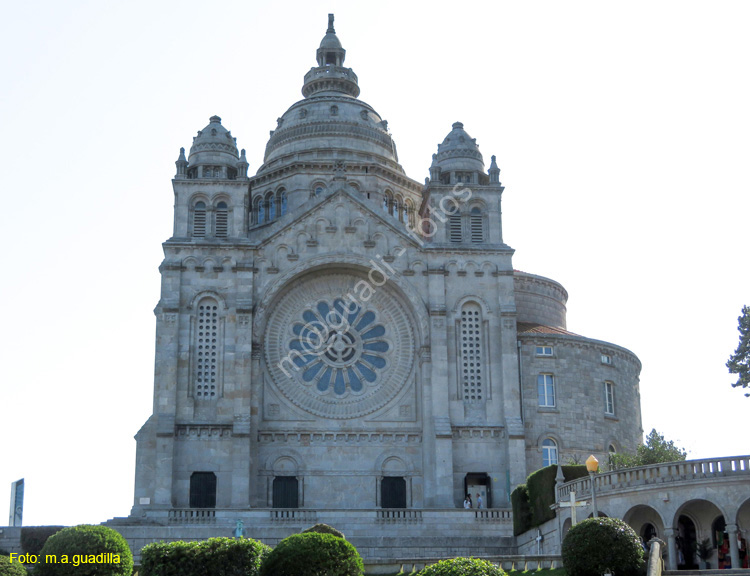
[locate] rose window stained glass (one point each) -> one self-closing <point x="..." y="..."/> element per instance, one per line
<point x="334" y="353"/>
<point x="342" y="347"/>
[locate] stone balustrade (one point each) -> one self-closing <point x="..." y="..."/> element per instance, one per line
<point x="685" y="471"/>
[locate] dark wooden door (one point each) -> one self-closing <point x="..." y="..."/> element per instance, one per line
<point x="285" y="492"/>
<point x="393" y="492"/>
<point x="203" y="490"/>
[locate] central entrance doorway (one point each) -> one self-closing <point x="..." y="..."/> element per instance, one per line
<point x="478" y="483"/>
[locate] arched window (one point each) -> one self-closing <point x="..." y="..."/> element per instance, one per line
<point x="475" y="225"/>
<point x="388" y="202"/>
<point x="454" y="225"/>
<point x="207" y="350"/>
<point x="281" y="201"/>
<point x="410" y="213"/>
<point x="472" y="353"/>
<point x="221" y="215"/>
<point x="271" y="202"/>
<point x="259" y="211"/>
<point x="199" y="220"/>
<point x="318" y="190"/>
<point x="549" y="452"/>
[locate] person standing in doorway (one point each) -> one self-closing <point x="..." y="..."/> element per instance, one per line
<point x="480" y="503"/>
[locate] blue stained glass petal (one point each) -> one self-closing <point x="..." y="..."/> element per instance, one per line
<point x="354" y="382"/>
<point x="339" y="386"/>
<point x="296" y="345"/>
<point x="297" y="329"/>
<point x="375" y="332"/>
<point x="323" y="309"/>
<point x="378" y="346"/>
<point x="325" y="380"/>
<point x="367" y="319"/>
<point x="366" y="373"/>
<point x="309" y="316"/>
<point x="311" y="372"/>
<point x="303" y="360"/>
<point x="353" y="310"/>
<point x="376" y="361"/>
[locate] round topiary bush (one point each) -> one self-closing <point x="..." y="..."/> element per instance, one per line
<point x="462" y="567"/>
<point x="599" y="545"/>
<point x="212" y="557"/>
<point x="8" y="568"/>
<point x="313" y="554"/>
<point x="324" y="529"/>
<point x="85" y="551"/>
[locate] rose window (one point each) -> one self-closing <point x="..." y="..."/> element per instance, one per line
<point x="342" y="346"/>
<point x="334" y="353"/>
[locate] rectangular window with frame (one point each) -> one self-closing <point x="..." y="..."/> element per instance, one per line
<point x="544" y="351"/>
<point x="606" y="359"/>
<point x="546" y="390"/>
<point x="609" y="398"/>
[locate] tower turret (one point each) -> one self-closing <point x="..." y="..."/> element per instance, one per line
<point x="213" y="153"/>
<point x="330" y="77"/>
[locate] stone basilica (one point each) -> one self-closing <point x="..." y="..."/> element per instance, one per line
<point x="334" y="335"/>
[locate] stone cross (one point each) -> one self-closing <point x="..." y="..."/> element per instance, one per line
<point x="572" y="505"/>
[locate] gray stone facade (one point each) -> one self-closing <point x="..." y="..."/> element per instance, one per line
<point x="332" y="334"/>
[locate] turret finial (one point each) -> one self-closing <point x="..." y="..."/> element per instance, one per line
<point x="330" y="25"/>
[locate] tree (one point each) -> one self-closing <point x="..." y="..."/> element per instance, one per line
<point x="739" y="362"/>
<point x="655" y="451"/>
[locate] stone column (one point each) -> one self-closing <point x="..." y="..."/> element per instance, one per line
<point x="671" y="548"/>
<point x="734" y="549"/>
<point x="439" y="382"/>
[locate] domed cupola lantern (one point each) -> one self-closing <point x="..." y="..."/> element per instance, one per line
<point x="330" y="77"/>
<point x="213" y="153"/>
<point x="458" y="157"/>
<point x="331" y="53"/>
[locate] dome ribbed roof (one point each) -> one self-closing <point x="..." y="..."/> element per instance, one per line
<point x="214" y="144"/>
<point x="459" y="151"/>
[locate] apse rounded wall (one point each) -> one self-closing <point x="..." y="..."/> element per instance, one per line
<point x="580" y="397"/>
<point x="539" y="300"/>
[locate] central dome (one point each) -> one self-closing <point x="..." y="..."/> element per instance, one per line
<point x="331" y="120"/>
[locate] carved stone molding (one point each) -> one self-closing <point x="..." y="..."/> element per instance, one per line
<point x="194" y="431"/>
<point x="326" y="438"/>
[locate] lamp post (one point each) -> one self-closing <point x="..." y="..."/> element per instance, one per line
<point x="592" y="465"/>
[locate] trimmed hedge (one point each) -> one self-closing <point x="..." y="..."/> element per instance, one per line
<point x="519" y="500"/>
<point x="212" y="557"/>
<point x="313" y="554"/>
<point x="324" y="529"/>
<point x="599" y="545"/>
<point x="8" y="569"/>
<point x="33" y="538"/>
<point x="462" y="567"/>
<point x="541" y="486"/>
<point x="88" y="546"/>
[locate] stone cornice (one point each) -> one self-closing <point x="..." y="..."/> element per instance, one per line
<point x="313" y="437"/>
<point x="190" y="431"/>
<point x="581" y="342"/>
<point x="478" y="432"/>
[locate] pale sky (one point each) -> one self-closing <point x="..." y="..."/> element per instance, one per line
<point x="622" y="131"/>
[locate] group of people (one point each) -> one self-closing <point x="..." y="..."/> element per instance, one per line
<point x="469" y="504"/>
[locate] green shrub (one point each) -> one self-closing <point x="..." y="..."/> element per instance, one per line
<point x="33" y="538"/>
<point x="463" y="567"/>
<point x="324" y="529"/>
<point x="519" y="500"/>
<point x="313" y="554"/>
<point x="8" y="569"/>
<point x="212" y="557"/>
<point x="541" y="486"/>
<point x="89" y="547"/>
<point x="599" y="545"/>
